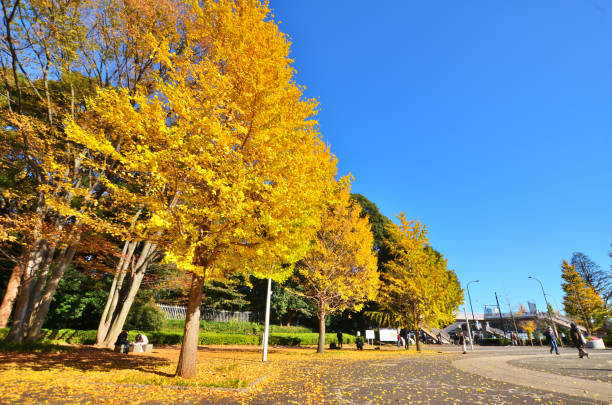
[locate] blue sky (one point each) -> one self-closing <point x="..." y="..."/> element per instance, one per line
<point x="491" y="122"/>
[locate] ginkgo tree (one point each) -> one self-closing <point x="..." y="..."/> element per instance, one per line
<point x="339" y="272"/>
<point x="417" y="287"/>
<point x="226" y="150"/>
<point x="581" y="300"/>
<point x="59" y="53"/>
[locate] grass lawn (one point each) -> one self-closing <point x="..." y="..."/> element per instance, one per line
<point x="81" y="373"/>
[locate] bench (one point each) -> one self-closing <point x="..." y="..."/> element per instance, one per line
<point x="148" y="348"/>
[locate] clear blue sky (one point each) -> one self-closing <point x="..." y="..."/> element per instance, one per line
<point x="491" y="122"/>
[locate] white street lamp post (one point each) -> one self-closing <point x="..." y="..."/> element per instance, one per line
<point x="267" y="322"/>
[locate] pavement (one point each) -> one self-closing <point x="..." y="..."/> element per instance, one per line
<point x="485" y="376"/>
<point x="441" y="375"/>
<point x="562" y="374"/>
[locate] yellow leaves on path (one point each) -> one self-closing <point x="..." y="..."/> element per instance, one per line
<point x="87" y="374"/>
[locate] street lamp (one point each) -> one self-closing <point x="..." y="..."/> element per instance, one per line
<point x="470" y="298"/>
<point x="552" y="323"/>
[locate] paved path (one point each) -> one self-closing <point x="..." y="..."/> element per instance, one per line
<point x="598" y="367"/>
<point x="413" y="380"/>
<point x="503" y="368"/>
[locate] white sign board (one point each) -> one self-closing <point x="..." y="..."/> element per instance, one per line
<point x="369" y="334"/>
<point x="388" y="335"/>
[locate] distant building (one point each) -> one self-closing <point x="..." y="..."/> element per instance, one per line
<point x="532" y="307"/>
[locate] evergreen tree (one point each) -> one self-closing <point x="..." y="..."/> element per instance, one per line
<point x="593" y="275"/>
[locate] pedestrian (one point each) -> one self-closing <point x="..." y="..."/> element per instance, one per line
<point x="550" y="334"/>
<point x="406" y="336"/>
<point x="578" y="340"/>
<point x="339" y="336"/>
<point x="359" y="341"/>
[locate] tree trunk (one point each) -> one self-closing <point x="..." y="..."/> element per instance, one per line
<point x="321" y="346"/>
<point x="417" y="336"/>
<point x="113" y="295"/>
<point x="12" y="288"/>
<point x="186" y="367"/>
<point x="42" y="277"/>
<point x="109" y="308"/>
<point x="127" y="294"/>
<point x="19" y="323"/>
<point x="290" y="317"/>
<point x="37" y="317"/>
<point x="123" y="308"/>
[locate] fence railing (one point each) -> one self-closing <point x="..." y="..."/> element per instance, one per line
<point x="209" y="314"/>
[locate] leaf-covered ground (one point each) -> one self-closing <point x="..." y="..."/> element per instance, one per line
<point x="237" y="375"/>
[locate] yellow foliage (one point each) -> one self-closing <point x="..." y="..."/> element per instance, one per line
<point x="418" y="289"/>
<point x="340" y="270"/>
<point x="225" y="156"/>
<point x="581" y="300"/>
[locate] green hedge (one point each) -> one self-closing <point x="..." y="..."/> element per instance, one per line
<point x="495" y="342"/>
<point x="87" y="337"/>
<point x="276" y="339"/>
<point x="84" y="337"/>
<point x="248" y="328"/>
<point x="297" y="339"/>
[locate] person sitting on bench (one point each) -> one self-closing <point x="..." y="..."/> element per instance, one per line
<point x="122" y="344"/>
<point x="140" y="342"/>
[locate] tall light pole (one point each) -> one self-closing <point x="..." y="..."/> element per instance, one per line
<point x="467" y="322"/>
<point x="470" y="298"/>
<point x="264" y="354"/>
<point x="552" y="323"/>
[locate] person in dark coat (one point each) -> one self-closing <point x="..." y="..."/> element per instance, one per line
<point x="406" y="335"/>
<point x="123" y="344"/>
<point x="339" y="336"/>
<point x="359" y="341"/>
<point x="577" y="340"/>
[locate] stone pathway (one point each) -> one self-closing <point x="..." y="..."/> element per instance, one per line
<point x="502" y="368"/>
<point x="598" y="367"/>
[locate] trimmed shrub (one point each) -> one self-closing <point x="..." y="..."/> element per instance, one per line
<point x="209" y="338"/>
<point x="495" y="342"/>
<point x="162" y="338"/>
<point x="83" y="337"/>
<point x="87" y="337"/>
<point x="249" y="328"/>
<point x="146" y="317"/>
<point x="297" y="339"/>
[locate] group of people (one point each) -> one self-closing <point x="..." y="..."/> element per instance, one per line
<point x="123" y="344"/>
<point x="575" y="335"/>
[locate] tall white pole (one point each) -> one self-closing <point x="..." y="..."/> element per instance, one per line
<point x="468" y="328"/>
<point x="267" y="322"/>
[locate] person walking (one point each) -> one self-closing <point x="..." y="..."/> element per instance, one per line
<point x="550" y="334"/>
<point x="359" y="341"/>
<point x="577" y="339"/>
<point x="339" y="336"/>
<point x="406" y="336"/>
